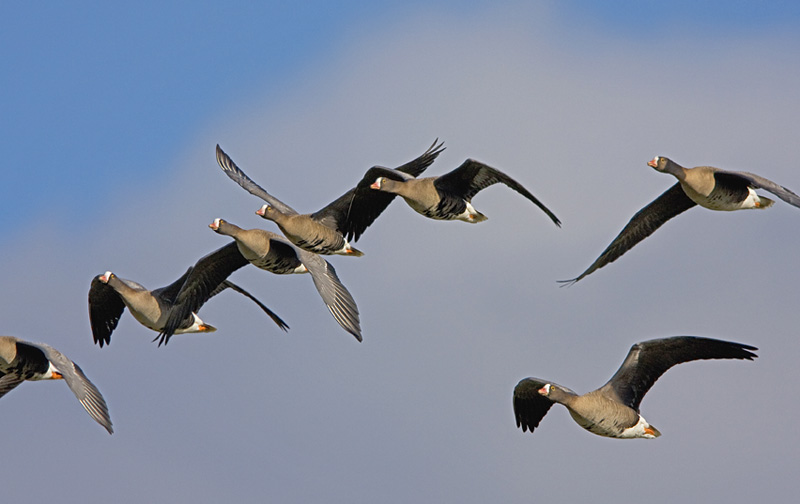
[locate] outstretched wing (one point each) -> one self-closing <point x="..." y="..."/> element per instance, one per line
<point x="200" y="281"/>
<point x="86" y="392"/>
<point x="648" y="360"/>
<point x="760" y="182"/>
<point x="644" y="223"/>
<point x="227" y="284"/>
<point x="416" y="166"/>
<point x="334" y="294"/>
<point x="238" y="176"/>
<point x="473" y="176"/>
<point x="358" y="208"/>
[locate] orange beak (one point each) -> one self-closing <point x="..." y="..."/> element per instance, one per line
<point x="375" y="185"/>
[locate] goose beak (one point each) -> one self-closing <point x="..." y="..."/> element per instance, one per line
<point x="653" y="162"/>
<point x="652" y="431"/>
<point x="214" y="225"/>
<point x="375" y="185"/>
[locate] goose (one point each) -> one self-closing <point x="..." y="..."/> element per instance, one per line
<point x="329" y="230"/>
<point x="447" y="197"/>
<point x="274" y="253"/>
<point x="706" y="186"/>
<point x="171" y="309"/>
<point x="21" y="360"/>
<point x="613" y="409"/>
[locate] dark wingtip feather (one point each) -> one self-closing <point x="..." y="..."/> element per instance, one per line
<point x="568" y="283"/>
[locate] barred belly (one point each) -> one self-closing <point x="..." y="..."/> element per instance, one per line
<point x="277" y="265"/>
<point x="319" y="245"/>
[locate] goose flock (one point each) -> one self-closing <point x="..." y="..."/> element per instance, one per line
<point x="612" y="410"/>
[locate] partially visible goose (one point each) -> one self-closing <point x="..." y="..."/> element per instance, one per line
<point x="171" y="309"/>
<point x="274" y="253"/>
<point x="706" y="186"/>
<point x="21" y="360"/>
<point x="328" y="230"/>
<point x="613" y="409"/>
<point x="447" y="197"/>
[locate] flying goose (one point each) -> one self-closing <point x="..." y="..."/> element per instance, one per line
<point x="21" y="360"/>
<point x="328" y="230"/>
<point x="613" y="409"/>
<point x="447" y="197"/>
<point x="170" y="309"/>
<point x="274" y="253"/>
<point x="706" y="186"/>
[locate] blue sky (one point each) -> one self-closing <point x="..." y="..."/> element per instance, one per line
<point x="110" y="117"/>
<point x="96" y="95"/>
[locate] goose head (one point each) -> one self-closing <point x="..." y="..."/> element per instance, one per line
<point x="268" y="212"/>
<point x="665" y="165"/>
<point x="105" y="277"/>
<point x="385" y="184"/>
<point x="215" y="225"/>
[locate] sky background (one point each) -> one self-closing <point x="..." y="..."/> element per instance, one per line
<point x="110" y="115"/>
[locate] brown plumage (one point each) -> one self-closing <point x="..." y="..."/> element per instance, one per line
<point x="276" y="254"/>
<point x="171" y="309"/>
<point x="706" y="186"/>
<point x="21" y="360"/>
<point x="613" y="409"/>
<point x="449" y="196"/>
<point x="328" y="230"/>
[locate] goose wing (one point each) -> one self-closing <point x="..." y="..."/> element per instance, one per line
<point x="105" y="309"/>
<point x="227" y="284"/>
<point x="198" y="285"/>
<point x="759" y="182"/>
<point x="472" y="176"/>
<point x="8" y="382"/>
<point x="648" y="360"/>
<point x="86" y="392"/>
<point x="529" y="405"/>
<point x="358" y="208"/>
<point x="334" y="294"/>
<point x="644" y="223"/>
<point x="237" y="175"/>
